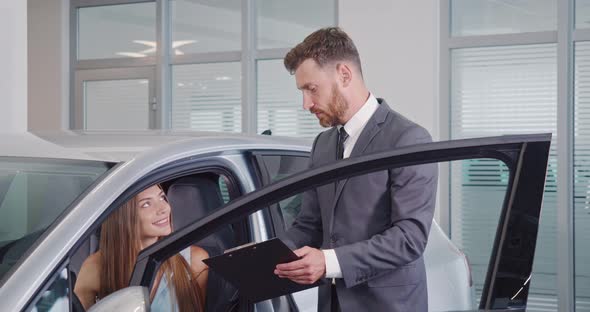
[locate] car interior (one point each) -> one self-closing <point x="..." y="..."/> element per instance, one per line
<point x="191" y="198"/>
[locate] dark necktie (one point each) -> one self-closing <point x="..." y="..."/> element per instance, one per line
<point x="342" y="136"/>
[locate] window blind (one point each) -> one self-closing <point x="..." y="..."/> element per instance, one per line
<point x="207" y="97"/>
<point x="116" y="104"/>
<point x="582" y="174"/>
<point x="280" y="103"/>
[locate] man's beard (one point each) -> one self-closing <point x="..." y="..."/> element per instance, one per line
<point x="333" y="114"/>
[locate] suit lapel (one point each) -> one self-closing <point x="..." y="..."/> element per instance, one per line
<point x="371" y="129"/>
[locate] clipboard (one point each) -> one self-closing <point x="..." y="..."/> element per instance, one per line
<point x="250" y="268"/>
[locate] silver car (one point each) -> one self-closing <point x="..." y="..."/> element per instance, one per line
<point x="226" y="190"/>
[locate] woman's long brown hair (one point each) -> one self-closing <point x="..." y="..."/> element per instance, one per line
<point x="119" y="247"/>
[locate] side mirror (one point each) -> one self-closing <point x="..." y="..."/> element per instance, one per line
<point x="134" y="298"/>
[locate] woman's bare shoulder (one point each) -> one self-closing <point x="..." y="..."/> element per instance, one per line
<point x="88" y="281"/>
<point x="198" y="253"/>
<point x="90" y="270"/>
<point x="94" y="259"/>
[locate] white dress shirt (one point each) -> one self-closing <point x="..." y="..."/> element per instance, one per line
<point x="353" y="127"/>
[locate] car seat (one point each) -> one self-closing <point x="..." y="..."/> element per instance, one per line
<point x="191" y="199"/>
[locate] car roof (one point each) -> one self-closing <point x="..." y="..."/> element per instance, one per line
<point x="117" y="146"/>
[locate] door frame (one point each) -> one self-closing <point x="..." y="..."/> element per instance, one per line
<point x="506" y="285"/>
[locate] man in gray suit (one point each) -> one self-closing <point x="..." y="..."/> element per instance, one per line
<point x="364" y="235"/>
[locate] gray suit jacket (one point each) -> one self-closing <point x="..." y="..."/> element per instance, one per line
<point x="377" y="224"/>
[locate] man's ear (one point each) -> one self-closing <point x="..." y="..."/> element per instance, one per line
<point x="344" y="73"/>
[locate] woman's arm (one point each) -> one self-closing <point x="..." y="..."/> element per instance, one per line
<point x="88" y="281"/>
<point x="199" y="268"/>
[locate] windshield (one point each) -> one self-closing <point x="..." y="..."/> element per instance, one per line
<point x="33" y="193"/>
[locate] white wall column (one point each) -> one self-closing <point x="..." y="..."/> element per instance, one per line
<point x="398" y="42"/>
<point x="13" y="66"/>
<point x="48" y="60"/>
<point x="398" y="45"/>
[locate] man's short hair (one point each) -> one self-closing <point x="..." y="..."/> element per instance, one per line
<point x="324" y="46"/>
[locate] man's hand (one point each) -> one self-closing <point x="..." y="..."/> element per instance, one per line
<point x="307" y="270"/>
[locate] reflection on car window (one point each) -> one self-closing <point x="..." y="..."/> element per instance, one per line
<point x="479" y="188"/>
<point x="278" y="168"/>
<point x="223" y="189"/>
<point x="33" y="193"/>
<point x="55" y="298"/>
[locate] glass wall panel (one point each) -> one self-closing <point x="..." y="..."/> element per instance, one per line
<point x="284" y="23"/>
<point x="582" y="13"/>
<point x="115" y="31"/>
<point x="496" y="91"/>
<point x="205" y="26"/>
<point x="490" y="17"/>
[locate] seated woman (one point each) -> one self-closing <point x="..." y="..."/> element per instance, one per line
<point x="137" y="224"/>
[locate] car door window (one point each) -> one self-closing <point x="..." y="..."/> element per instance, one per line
<point x="479" y="188"/>
<point x="480" y="192"/>
<point x="34" y="192"/>
<point x="274" y="167"/>
<point x="483" y="191"/>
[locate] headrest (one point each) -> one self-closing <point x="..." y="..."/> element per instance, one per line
<point x="193" y="198"/>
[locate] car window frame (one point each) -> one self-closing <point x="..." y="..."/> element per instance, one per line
<point x="524" y="194"/>
<point x="183" y="167"/>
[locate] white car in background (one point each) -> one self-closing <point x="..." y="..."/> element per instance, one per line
<point x="56" y="189"/>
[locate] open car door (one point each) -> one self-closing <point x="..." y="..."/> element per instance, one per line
<point x="509" y="270"/>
